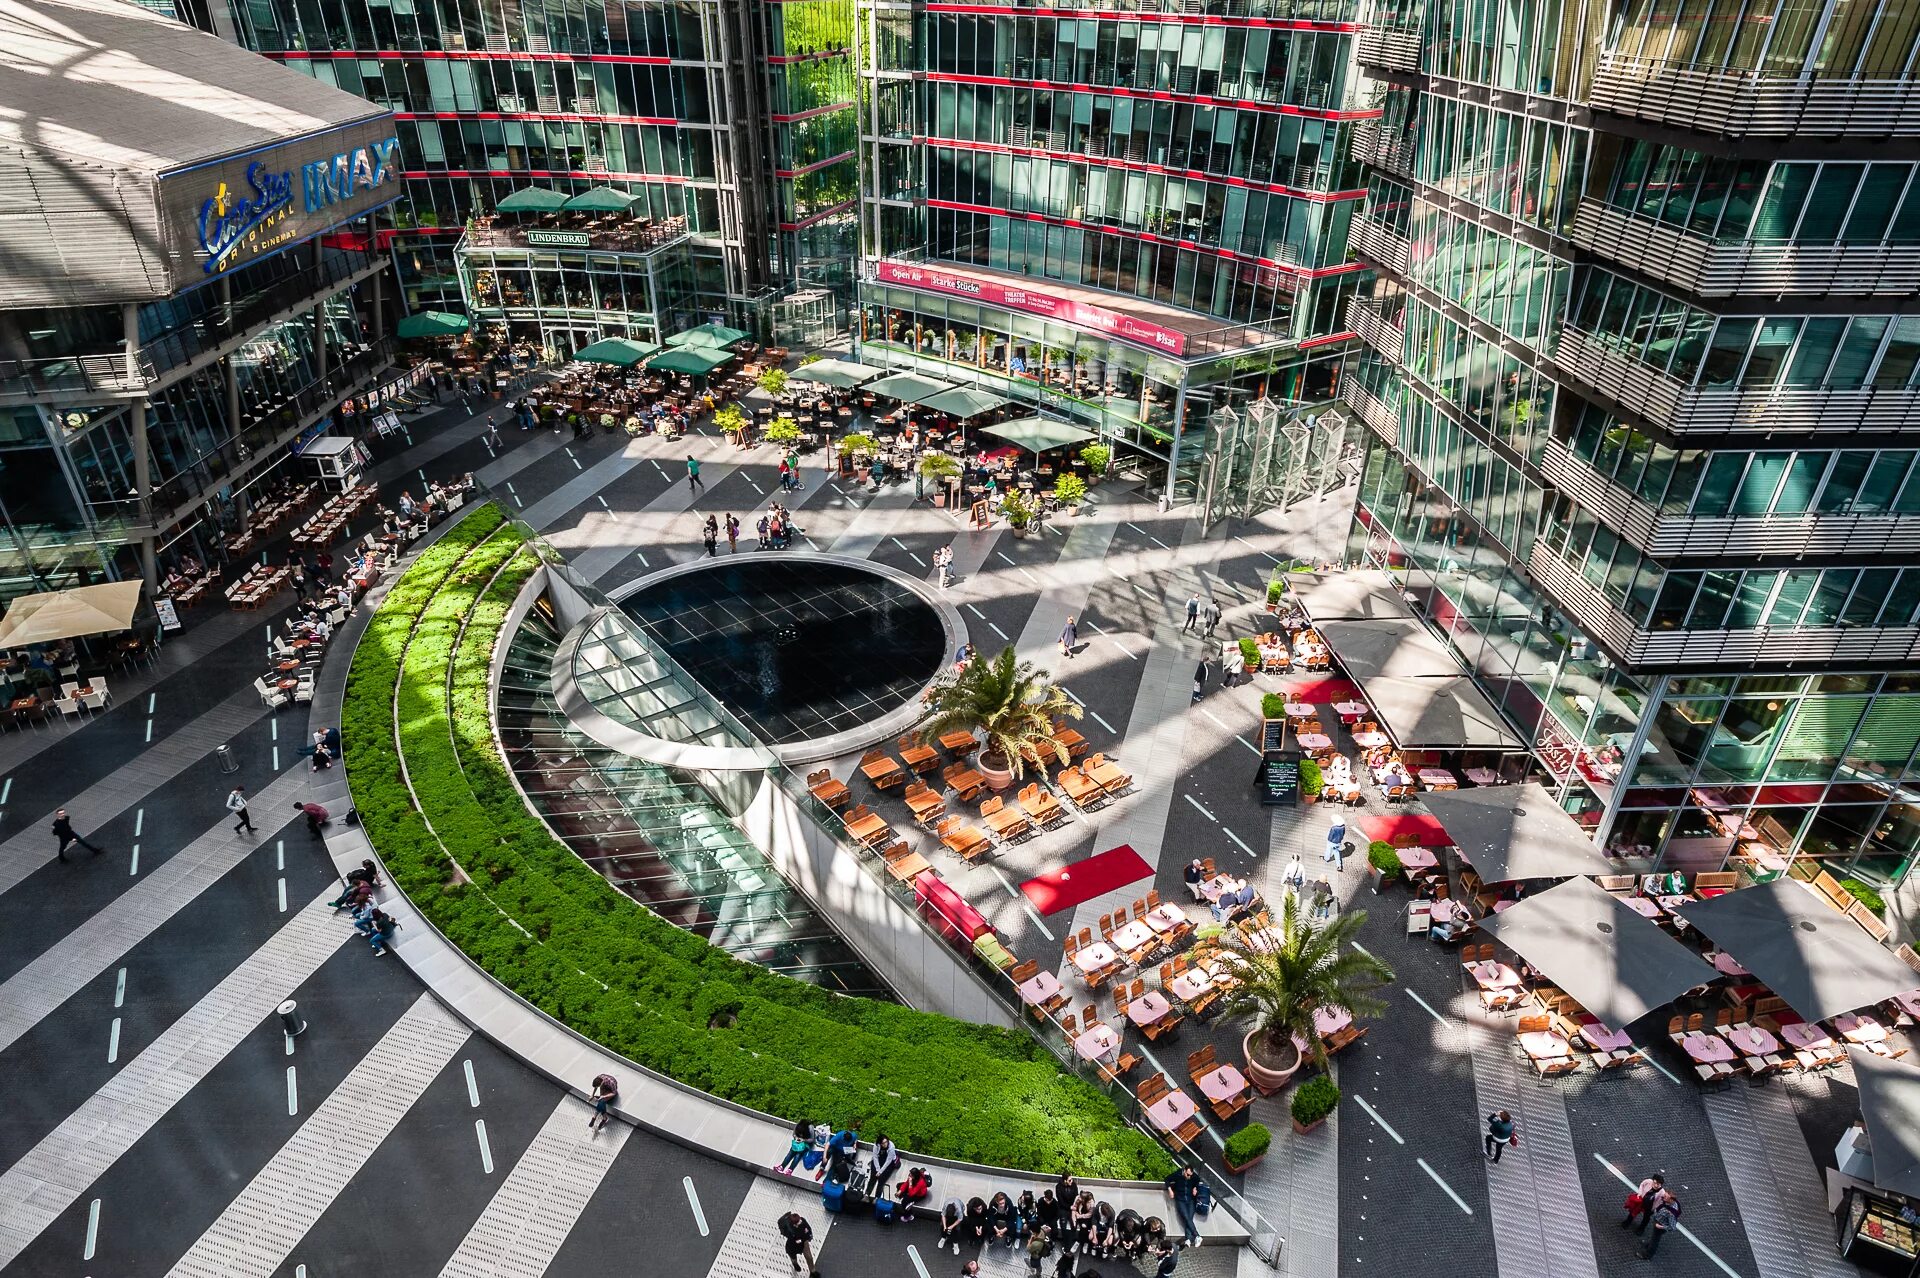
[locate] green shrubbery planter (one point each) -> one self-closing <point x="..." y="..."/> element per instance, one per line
<point x="1247" y="1146"/>
<point x="1383" y="863"/>
<point x="1313" y="1101"/>
<point x="539" y="920"/>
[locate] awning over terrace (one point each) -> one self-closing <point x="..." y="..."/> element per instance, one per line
<point x="1511" y="832"/>
<point x="909" y="388"/>
<point x="841" y="374"/>
<point x="1437" y="714"/>
<point x="1615" y="964"/>
<point x="1038" y="434"/>
<point x="964" y="402"/>
<point x="1890" y="1108"/>
<point x="1398" y="646"/>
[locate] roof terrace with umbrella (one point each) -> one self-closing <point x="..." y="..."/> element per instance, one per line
<point x="709" y="336"/>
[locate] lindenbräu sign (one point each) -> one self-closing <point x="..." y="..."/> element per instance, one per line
<point x="558" y="239"/>
<point x="1035" y="302"/>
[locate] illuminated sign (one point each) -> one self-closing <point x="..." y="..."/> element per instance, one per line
<point x="335" y="179"/>
<point x="558" y="239"/>
<point x="232" y="220"/>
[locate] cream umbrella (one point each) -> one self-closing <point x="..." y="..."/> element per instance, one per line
<point x="69" y="614"/>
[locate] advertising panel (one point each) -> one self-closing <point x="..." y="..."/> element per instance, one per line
<point x="1035" y="302"/>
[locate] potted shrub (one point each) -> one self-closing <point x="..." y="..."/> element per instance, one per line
<point x="1247" y="1146"/>
<point x="1250" y="653"/>
<point x="773" y="381"/>
<point x="1097" y="457"/>
<point x="1315" y="1099"/>
<point x="1383" y="863"/>
<point x="1010" y="705"/>
<point x="857" y="449"/>
<point x="1311" y="781"/>
<point x="783" y="430"/>
<point x="1019" y="510"/>
<point x="1313" y="965"/>
<point x="732" y="422"/>
<point x="1272" y="705"/>
<point x="1274" y="591"/>
<point x="1069" y="490"/>
<point x="940" y="470"/>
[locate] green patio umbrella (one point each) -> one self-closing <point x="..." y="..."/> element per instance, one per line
<point x="841" y="374"/>
<point x="532" y="199"/>
<point x="713" y="335"/>
<point x="600" y="199"/>
<point x="965" y="402"/>
<point x="622" y="351"/>
<point x="692" y="360"/>
<point x="1038" y="434"/>
<point x="431" y="324"/>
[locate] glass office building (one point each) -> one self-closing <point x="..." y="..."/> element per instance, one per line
<point x="1133" y="217"/>
<point x="1640" y="309"/>
<point x="734" y="121"/>
<point x="188" y="291"/>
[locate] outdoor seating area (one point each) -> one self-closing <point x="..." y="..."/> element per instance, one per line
<point x="57" y="649"/>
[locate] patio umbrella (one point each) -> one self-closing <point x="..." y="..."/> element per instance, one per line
<point x="532" y="199"/>
<point x="964" y="402"/>
<point x="716" y="336"/>
<point x="1038" y="434"/>
<point x="841" y="374"/>
<point x="691" y="360"/>
<point x="70" y="614"/>
<point x="908" y="388"/>
<point x="1510" y="832"/>
<point x="599" y="199"/>
<point x="1890" y="1107"/>
<point x="621" y="351"/>
<point x="431" y="324"/>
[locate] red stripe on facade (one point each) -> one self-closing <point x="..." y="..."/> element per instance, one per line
<point x="1188" y="19"/>
<point x="816" y="165"/>
<point x="478" y="55"/>
<point x="1139" y="166"/>
<point x="1328" y="340"/>
<point x="569" y="117"/>
<point x="1156" y="95"/>
<point x="823" y="214"/>
<point x="666" y="179"/>
<point x="808" y="115"/>
<point x="1121" y="232"/>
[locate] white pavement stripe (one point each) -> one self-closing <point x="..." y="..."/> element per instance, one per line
<point x="521" y="1230"/>
<point x="52" y="1175"/>
<point x="693" y="1203"/>
<point x="1694" y="1238"/>
<point x="131" y="783"/>
<point x="267" y="1219"/>
<point x="1458" y="1201"/>
<point x="1783" y="1204"/>
<point x="753" y="1248"/>
<point x="1237" y="839"/>
<point x="105" y="938"/>
<point x="1374" y="1114"/>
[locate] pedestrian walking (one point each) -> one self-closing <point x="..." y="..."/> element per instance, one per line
<point x="1069" y="636"/>
<point x="694" y="482"/>
<point x="1501" y="1132"/>
<point x="63" y="830"/>
<point x="1039" y="1243"/>
<point x="1640" y="1202"/>
<point x="1193" y="614"/>
<point x="798" y="1232"/>
<point x="1666" y="1216"/>
<point x="1336" y="845"/>
<point x="1233" y="666"/>
<point x="316" y="816"/>
<point x="1211" y="615"/>
<point x="606" y="1090"/>
<point x="237" y="804"/>
<point x="733" y="535"/>
<point x="492" y="435"/>
<point x="762" y="528"/>
<point x="1200" y="680"/>
<point x="1183" y="1187"/>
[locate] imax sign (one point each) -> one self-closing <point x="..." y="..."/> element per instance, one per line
<point x="338" y="178"/>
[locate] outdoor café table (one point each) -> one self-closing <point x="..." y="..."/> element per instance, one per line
<point x="1806" y="1034"/>
<point x="1602" y="1039"/>
<point x="1706" y="1049"/>
<point x="1501" y="907"/>
<point x="1106" y="775"/>
<point x="1438" y="779"/>
<point x="1223" y="1084"/>
<point x="1419" y="860"/>
<point x="1728" y="965"/>
<point x="1210" y="889"/>
<point x="867" y="827"/>
<point x="1190" y="984"/>
<point x="1490" y="975"/>
<point x="906" y="869"/>
<point x="1315" y="741"/>
<point x="915" y="756"/>
<point x="1172" y="1110"/>
<point x="1330" y="1020"/>
<point x="1042" y="987"/>
<point x="1149" y="1009"/>
<point x="1642" y="906"/>
<point x="1672" y="904"/>
<point x="1857" y="1027"/>
<point x="288" y="685"/>
<point x="1370" y="740"/>
<point x="1164" y="917"/>
<point x="1097" y="957"/>
<point x="20" y="704"/>
<point x="1132" y="936"/>
<point x="1097" y="1042"/>
<point x="1908" y="1002"/>
<point x="967" y="781"/>
<point x="1299" y="710"/>
<point x="1349" y="707"/>
<point x="1544" y="1045"/>
<point x="289" y="664"/>
<point x="1752" y="1040"/>
<point x="879" y="768"/>
<point x="1479" y="776"/>
<point x="1449" y="912"/>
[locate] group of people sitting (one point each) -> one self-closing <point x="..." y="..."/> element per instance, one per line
<point x="1065" y="1222"/>
<point x="369" y="919"/>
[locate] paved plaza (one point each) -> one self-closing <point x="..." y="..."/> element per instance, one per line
<point x="160" y="1122"/>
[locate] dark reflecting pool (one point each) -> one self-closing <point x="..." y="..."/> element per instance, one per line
<point x="796" y="648"/>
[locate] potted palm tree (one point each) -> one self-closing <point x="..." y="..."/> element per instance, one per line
<point x="1314" y="965"/>
<point x="940" y="470"/>
<point x="1010" y="705"/>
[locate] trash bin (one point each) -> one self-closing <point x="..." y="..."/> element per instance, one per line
<point x="227" y="761"/>
<point x="290" y="1018"/>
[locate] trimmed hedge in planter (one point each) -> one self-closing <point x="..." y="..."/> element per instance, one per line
<point x="539" y="920"/>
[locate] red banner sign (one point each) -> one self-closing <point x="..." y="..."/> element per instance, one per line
<point x="1080" y="314"/>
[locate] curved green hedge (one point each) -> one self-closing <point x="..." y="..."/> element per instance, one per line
<point x="559" y="935"/>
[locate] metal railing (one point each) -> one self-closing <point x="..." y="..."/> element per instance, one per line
<point x="1748" y="104"/>
<point x="636" y="237"/>
<point x="1394" y="47"/>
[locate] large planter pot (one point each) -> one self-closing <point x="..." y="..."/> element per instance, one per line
<point x="1250" y="1164"/>
<point x="1273" y="1075"/>
<point x="1303" y="1128"/>
<point x="997" y="778"/>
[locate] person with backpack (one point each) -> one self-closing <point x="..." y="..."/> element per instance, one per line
<point x="1183" y="1187"/>
<point x="1640" y="1203"/>
<point x="1039" y="1247"/>
<point x="1501" y="1132"/>
<point x="797" y="1147"/>
<point x="915" y="1189"/>
<point x="798" y="1231"/>
<point x="606" y="1090"/>
<point x="1666" y="1216"/>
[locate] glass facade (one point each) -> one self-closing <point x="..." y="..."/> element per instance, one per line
<point x="1615" y="496"/>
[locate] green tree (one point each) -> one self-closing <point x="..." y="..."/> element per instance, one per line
<point x="1009" y="703"/>
<point x="773" y="381"/>
<point x="1315" y="965"/>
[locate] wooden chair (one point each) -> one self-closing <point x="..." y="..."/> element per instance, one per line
<point x="965" y="841"/>
<point x="924" y="803"/>
<point x="953" y="773"/>
<point x="925" y="758"/>
<point x="1187" y="1133"/>
<point x="888" y="779"/>
<point x="1007" y="824"/>
<point x="1024" y="972"/>
<point x="1041" y="806"/>
<point x="1082" y="792"/>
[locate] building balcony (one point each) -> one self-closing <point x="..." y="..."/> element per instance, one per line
<point x="1380" y="243"/>
<point x="636" y="237"/>
<point x="1396" y="48"/>
<point x="1743" y="105"/>
<point x="1709" y="268"/>
<point x="1669" y="536"/>
<point x="1378" y="415"/>
<point x="1640" y="649"/>
<point x="1375" y="329"/>
<point x="1720" y="410"/>
<point x="1374" y="143"/>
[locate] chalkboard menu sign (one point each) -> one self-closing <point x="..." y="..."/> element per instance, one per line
<point x="1278" y="782"/>
<point x="1273" y="735"/>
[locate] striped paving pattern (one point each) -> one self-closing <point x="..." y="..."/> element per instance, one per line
<point x="521" y="1230"/>
<point x="263" y="1224"/>
<point x="1540" y="1221"/>
<point x="1782" y="1202"/>
<point x="753" y="1247"/>
<point x="105" y="938"/>
<point x="54" y="1174"/>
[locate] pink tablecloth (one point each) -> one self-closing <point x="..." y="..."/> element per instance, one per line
<point x="1449" y="911"/>
<point x="1172" y="1110"/>
<point x="1803" y="1034"/>
<point x="1190" y="984"/>
<point x="1419" y="859"/>
<point x="1092" y="958"/>
<point x="1224" y="1083"/>
<point x="1041" y="988"/>
<point x="1096" y="1042"/>
<point x="1299" y="709"/>
<point x="1753" y="1040"/>
<point x="1602" y="1039"/>
<point x="1315" y="741"/>
<point x="1542" y="1045"/>
<point x="1642" y="906"/>
<point x="1501" y="907"/>
<point x="1728" y="965"/>
<point x="1370" y="740"/>
<point x="1706" y="1049"/>
<point x="1133" y="935"/>
<point x="1148" y="1008"/>
<point x="1165" y="918"/>
<point x="1436" y="778"/>
<point x="1493" y="976"/>
<point x="1858" y="1028"/>
<point x="1482" y="776"/>
<point x="1330" y="1020"/>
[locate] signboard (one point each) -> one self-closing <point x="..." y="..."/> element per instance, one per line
<point x="1034" y="302"/>
<point x="558" y="239"/>
<point x="982" y="514"/>
<point x="386" y="424"/>
<point x="169" y="615"/>
<point x="1277" y="783"/>
<point x="226" y="213"/>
